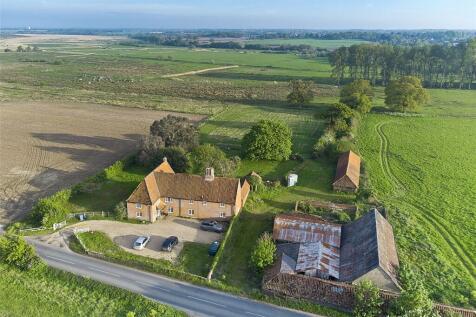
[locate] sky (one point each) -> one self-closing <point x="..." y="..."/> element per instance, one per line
<point x="241" y="14"/>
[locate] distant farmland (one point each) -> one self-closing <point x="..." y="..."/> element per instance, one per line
<point x="326" y="44"/>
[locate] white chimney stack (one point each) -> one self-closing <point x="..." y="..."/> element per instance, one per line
<point x="209" y="174"/>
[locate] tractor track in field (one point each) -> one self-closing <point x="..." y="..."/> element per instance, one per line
<point x="426" y="214"/>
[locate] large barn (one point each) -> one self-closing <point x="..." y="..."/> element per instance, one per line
<point x="347" y="173"/>
<point x="363" y="249"/>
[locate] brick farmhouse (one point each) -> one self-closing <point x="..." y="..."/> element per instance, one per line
<point x="164" y="192"/>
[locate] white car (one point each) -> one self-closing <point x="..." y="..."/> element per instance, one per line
<point x="141" y="242"/>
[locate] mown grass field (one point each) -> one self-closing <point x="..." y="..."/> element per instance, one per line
<point x="53" y="293"/>
<point x="423" y="167"/>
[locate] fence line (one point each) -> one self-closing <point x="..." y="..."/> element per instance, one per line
<point x="335" y="294"/>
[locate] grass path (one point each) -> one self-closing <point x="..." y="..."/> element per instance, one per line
<point x="194" y="72"/>
<point x="426" y="214"/>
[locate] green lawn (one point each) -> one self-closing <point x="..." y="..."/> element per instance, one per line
<point x="193" y="259"/>
<point x="51" y="292"/>
<point x="424" y="168"/>
<point x="102" y="194"/>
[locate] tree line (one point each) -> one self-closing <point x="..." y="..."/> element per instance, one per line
<point x="443" y="66"/>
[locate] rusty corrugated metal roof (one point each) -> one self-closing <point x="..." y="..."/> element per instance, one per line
<point x="299" y="227"/>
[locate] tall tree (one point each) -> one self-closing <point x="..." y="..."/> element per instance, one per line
<point x="301" y="92"/>
<point x="267" y="140"/>
<point x="405" y="94"/>
<point x="357" y="95"/>
<point x="175" y="131"/>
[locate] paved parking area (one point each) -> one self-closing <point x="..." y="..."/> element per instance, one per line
<point x="124" y="234"/>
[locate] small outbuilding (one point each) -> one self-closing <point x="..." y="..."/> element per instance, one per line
<point x="292" y="179"/>
<point x="347" y="173"/>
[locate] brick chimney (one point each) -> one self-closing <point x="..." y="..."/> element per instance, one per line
<point x="209" y="174"/>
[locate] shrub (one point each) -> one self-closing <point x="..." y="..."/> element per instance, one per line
<point x="256" y="182"/>
<point x="414" y="300"/>
<point x="296" y="157"/>
<point x="52" y="209"/>
<point x="114" y="169"/>
<point x="208" y="155"/>
<point x="16" y="252"/>
<point x="367" y="300"/>
<point x="120" y="211"/>
<point x="264" y="252"/>
<point x="152" y="156"/>
<point x="268" y="140"/>
<point x="344" y="217"/>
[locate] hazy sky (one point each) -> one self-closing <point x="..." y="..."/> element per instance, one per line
<point x="309" y="14"/>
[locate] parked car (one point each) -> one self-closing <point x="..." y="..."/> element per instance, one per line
<point x="213" y="248"/>
<point x="169" y="243"/>
<point x="141" y="242"/>
<point x="211" y="225"/>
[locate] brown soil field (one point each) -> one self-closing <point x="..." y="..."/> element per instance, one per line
<point x="32" y="39"/>
<point x="49" y="146"/>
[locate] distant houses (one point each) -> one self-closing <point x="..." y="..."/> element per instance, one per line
<point x="347" y="173"/>
<point x="363" y="249"/>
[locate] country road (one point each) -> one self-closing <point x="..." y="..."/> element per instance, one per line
<point x="194" y="300"/>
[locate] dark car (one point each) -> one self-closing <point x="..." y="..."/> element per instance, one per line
<point x="213" y="248"/>
<point x="169" y="243"/>
<point x="211" y="225"/>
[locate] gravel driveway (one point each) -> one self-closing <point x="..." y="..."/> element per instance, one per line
<point x="124" y="234"/>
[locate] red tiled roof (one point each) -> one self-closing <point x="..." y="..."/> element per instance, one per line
<point x="348" y="165"/>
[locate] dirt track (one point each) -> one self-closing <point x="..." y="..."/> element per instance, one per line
<point x="48" y="146"/>
<point x="194" y="72"/>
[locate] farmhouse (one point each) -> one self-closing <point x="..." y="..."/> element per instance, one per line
<point x="363" y="249"/>
<point x="164" y="192"/>
<point x="347" y="173"/>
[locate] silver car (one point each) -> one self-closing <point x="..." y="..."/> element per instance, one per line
<point x="141" y="242"/>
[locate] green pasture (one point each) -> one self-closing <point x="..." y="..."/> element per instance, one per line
<point x="423" y="167"/>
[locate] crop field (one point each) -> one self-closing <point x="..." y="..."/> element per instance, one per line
<point x="423" y="167"/>
<point x="326" y="44"/>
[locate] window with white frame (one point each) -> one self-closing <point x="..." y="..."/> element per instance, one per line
<point x="222" y="214"/>
<point x="191" y="212"/>
<point x="168" y="199"/>
<point x="170" y="210"/>
<point x="204" y="203"/>
<point x="139" y="214"/>
<point x="222" y="205"/>
<point x="138" y="205"/>
<point x="190" y="202"/>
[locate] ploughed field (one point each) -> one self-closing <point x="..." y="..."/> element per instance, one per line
<point x="47" y="146"/>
